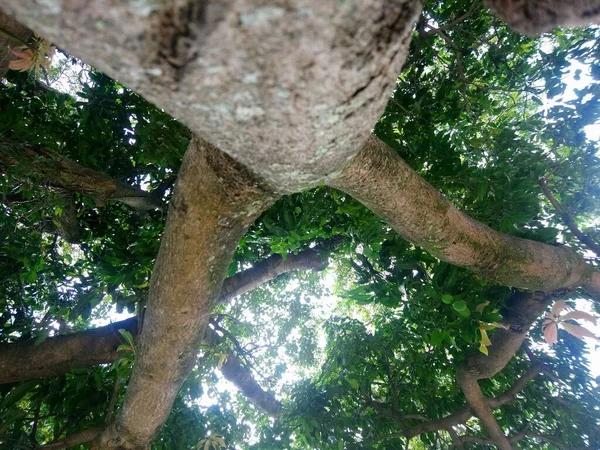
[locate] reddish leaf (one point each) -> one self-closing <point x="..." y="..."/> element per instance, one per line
<point x="579" y="315"/>
<point x="551" y="333"/>
<point x="578" y="332"/>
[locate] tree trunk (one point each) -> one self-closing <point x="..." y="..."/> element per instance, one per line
<point x="299" y="81"/>
<point x="197" y="245"/>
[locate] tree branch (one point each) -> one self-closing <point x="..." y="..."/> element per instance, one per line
<point x="520" y="313"/>
<point x="61" y="172"/>
<point x="532" y="18"/>
<point x="464" y="413"/>
<point x="568" y="218"/>
<point x="72" y="440"/>
<point x="455" y="22"/>
<point x="384" y="183"/>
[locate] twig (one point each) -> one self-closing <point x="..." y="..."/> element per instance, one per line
<point x="455" y="22"/>
<point x="113" y="401"/>
<point x="459" y="65"/>
<point x="567" y="218"/>
<point x="73" y="440"/>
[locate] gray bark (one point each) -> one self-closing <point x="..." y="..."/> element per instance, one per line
<point x="537" y="16"/>
<point x="385" y="184"/>
<point x="299" y="81"/>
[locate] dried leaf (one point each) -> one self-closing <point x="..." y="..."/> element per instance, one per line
<point x="25" y="59"/>
<point x="481" y="306"/>
<point x="485" y="340"/>
<point x="219" y="440"/>
<point x="577" y="331"/>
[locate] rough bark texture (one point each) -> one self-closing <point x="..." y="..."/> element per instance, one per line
<point x="520" y="313"/>
<point x="384" y="183"/>
<point x="287" y="88"/>
<point x="536" y="16"/>
<point x="465" y="412"/>
<point x="268" y="269"/>
<point x="10" y="27"/>
<point x="299" y="81"/>
<point x="60" y="354"/>
<point x="238" y="374"/>
<point x="214" y="202"/>
<point x="61" y="172"/>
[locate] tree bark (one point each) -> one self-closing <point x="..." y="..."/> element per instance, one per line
<point x="63" y="173"/>
<point x="385" y="184"/>
<point x="242" y="378"/>
<point x="268" y="269"/>
<point x="196" y="248"/>
<point x="299" y="81"/>
<point x="57" y="355"/>
<point x="537" y="16"/>
<point x="12" y="35"/>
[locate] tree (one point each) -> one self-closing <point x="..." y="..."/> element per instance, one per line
<point x="278" y="100"/>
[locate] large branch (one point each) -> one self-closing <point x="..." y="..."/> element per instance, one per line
<point x="60" y="354"/>
<point x="268" y="269"/>
<point x="384" y="183"/>
<point x="464" y="413"/>
<point x="63" y="173"/>
<point x="287" y="90"/>
<point x="519" y="314"/>
<point x="536" y="16"/>
<point x="214" y="202"/>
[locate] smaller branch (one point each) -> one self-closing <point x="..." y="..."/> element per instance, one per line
<point x="457" y="21"/>
<point x="459" y="65"/>
<point x="36" y="416"/>
<point x="480" y="405"/>
<point x="113" y="401"/>
<point x="75" y="439"/>
<point x="514" y="439"/>
<point x="9" y="35"/>
<point x="568" y="218"/>
<point x="456" y="439"/>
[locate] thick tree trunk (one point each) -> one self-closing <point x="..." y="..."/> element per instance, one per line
<point x="385" y="184"/>
<point x="286" y="88"/>
<point x="197" y="245"/>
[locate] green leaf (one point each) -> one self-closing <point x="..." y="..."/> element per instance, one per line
<point x="459" y="305"/>
<point x="447" y="298"/>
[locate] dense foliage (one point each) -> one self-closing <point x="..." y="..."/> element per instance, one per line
<point x="482" y="113"/>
